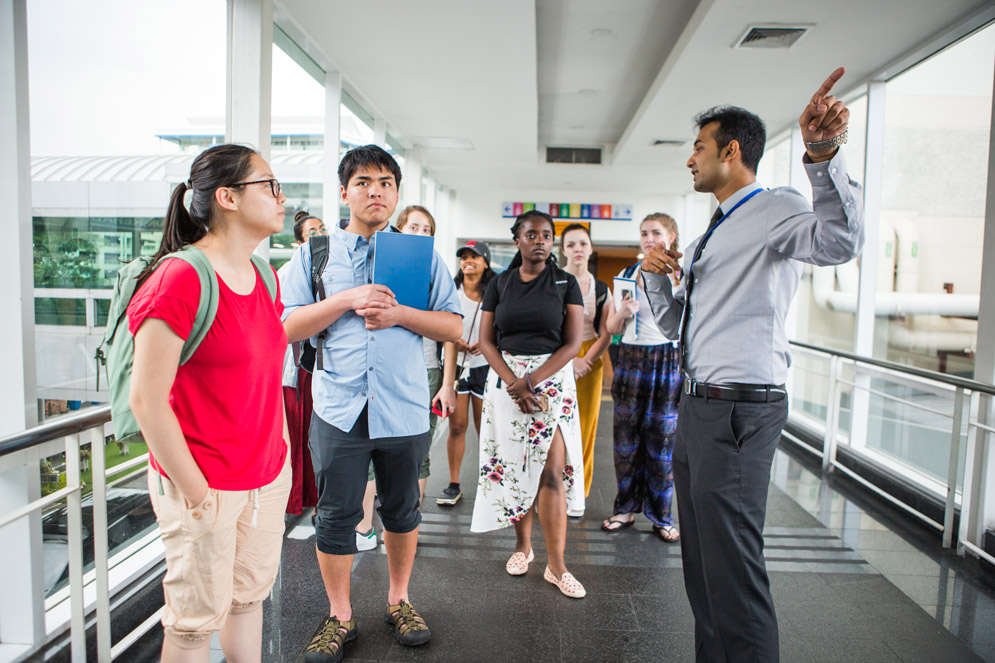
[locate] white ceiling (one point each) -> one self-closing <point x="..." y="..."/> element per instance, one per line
<point x="508" y="76"/>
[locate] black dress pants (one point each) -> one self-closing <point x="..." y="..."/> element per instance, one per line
<point x="722" y="461"/>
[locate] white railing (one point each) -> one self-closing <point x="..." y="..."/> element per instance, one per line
<point x="978" y="395"/>
<point x="22" y="452"/>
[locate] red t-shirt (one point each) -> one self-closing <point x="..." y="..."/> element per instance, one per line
<point x="228" y="398"/>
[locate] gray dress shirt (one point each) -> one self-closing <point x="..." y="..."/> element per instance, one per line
<point x="748" y="273"/>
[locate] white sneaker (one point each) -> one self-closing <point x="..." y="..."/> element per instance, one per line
<point x="366" y="541"/>
<point x="575" y="513"/>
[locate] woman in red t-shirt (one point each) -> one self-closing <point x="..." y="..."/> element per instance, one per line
<point x="218" y="471"/>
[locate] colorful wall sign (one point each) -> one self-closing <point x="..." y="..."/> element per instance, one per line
<point x="510" y="210"/>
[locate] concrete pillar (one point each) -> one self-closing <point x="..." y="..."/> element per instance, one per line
<point x="249" y="78"/>
<point x="330" y="181"/>
<point x="979" y="501"/>
<point x="22" y="604"/>
<point x="412" y="178"/>
<point x="380" y="132"/>
<point x="18" y="407"/>
<point x="863" y="341"/>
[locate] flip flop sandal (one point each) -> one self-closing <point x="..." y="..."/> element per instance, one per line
<point x="622" y="524"/>
<point x="668" y="533"/>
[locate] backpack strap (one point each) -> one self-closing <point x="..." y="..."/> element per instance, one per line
<point x="207" y="308"/>
<point x="267" y="274"/>
<point x="600" y="297"/>
<point x="318" y="246"/>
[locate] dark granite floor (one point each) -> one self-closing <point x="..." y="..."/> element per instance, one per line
<point x="851" y="582"/>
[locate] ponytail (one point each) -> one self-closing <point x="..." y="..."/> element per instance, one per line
<point x="215" y="167"/>
<point x="178" y="229"/>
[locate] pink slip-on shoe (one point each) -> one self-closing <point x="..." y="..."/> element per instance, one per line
<point x="567" y="584"/>
<point x="518" y="564"/>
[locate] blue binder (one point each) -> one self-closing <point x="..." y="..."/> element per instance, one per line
<point x="403" y="263"/>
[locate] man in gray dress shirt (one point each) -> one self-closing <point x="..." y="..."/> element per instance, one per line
<point x="738" y="282"/>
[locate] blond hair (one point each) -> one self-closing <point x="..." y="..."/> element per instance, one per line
<point x="402" y="218"/>
<point x="668" y="224"/>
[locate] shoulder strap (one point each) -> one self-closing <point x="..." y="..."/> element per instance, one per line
<point x="267" y="274"/>
<point x="207" y="308"/>
<point x="600" y="296"/>
<point x="318" y="246"/>
<point x="631" y="269"/>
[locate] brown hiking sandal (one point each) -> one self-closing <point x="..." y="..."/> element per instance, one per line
<point x="328" y="641"/>
<point x="409" y="628"/>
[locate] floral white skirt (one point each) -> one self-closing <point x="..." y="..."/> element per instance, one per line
<point x="514" y="445"/>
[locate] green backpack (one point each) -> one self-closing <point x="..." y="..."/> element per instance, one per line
<point x="120" y="344"/>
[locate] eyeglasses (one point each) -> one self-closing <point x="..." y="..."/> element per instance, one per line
<point x="274" y="185"/>
<point x="317" y="231"/>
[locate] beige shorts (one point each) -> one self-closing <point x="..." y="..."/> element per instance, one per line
<point x="222" y="555"/>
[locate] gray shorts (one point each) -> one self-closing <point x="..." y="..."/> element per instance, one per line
<point x="434" y="384"/>
<point x="340" y="462"/>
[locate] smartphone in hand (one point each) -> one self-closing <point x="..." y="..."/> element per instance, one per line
<point x="437" y="410"/>
<point x="543" y="402"/>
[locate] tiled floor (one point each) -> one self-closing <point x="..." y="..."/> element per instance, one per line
<point x="851" y="583"/>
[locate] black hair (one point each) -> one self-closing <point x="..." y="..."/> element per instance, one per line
<point x="300" y="219"/>
<point x="485" y="278"/>
<point x="367" y="156"/>
<point x="740" y="125"/>
<point x="214" y="168"/>
<point x="519" y="221"/>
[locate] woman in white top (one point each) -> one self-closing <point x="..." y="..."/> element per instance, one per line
<point x="470" y="365"/>
<point x="589" y="369"/>
<point x="645" y="390"/>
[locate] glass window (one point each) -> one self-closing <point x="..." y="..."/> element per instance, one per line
<point x="103" y="167"/>
<point x="938" y="118"/>
<point x="355" y="125"/>
<point x="775" y="166"/>
<point x="298" y="130"/>
<point x="60" y="311"/>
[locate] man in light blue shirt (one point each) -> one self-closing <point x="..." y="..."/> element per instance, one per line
<point x="370" y="395"/>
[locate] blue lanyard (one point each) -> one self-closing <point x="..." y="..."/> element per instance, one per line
<point x="719" y="223"/>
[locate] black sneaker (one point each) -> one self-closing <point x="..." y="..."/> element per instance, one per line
<point x="409" y="628"/>
<point x="327" y="642"/>
<point x="449" y="496"/>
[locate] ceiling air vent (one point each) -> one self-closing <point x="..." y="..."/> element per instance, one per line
<point x="771" y="36"/>
<point x="573" y="155"/>
<point x="668" y="142"/>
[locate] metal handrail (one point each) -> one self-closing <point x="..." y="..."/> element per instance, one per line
<point x="953" y="381"/>
<point x="55" y="429"/>
<point x="978" y="431"/>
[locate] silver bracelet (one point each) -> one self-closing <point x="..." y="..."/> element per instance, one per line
<point x="824" y="145"/>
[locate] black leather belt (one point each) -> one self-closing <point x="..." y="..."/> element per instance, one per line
<point x="750" y="393"/>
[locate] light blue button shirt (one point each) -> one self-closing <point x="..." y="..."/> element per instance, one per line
<point x="384" y="368"/>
